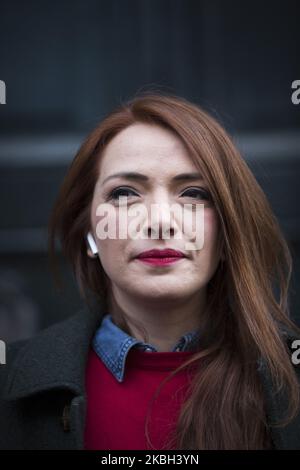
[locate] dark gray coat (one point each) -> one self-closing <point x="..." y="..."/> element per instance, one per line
<point x="43" y="403"/>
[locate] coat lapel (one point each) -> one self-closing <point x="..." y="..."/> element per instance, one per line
<point x="55" y="358"/>
<point x="54" y="362"/>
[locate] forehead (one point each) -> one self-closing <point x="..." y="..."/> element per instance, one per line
<point x="145" y="147"/>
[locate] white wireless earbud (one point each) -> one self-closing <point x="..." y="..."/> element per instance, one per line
<point x="92" y="243"/>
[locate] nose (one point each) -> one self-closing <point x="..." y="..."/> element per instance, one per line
<point x="161" y="222"/>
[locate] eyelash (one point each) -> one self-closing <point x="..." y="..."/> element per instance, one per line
<point x="114" y="194"/>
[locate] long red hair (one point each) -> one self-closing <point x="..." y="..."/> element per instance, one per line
<point x="244" y="318"/>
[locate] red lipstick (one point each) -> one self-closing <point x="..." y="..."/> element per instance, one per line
<point x="161" y="257"/>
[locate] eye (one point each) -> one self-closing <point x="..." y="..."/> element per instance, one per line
<point x="117" y="192"/>
<point x="197" y="193"/>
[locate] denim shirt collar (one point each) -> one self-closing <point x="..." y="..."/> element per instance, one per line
<point x="112" y="345"/>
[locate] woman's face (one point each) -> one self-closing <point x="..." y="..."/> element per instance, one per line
<point x="159" y="155"/>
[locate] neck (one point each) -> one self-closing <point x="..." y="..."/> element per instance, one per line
<point x="164" y="321"/>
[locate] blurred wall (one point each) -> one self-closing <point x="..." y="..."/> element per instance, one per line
<point x="66" y="64"/>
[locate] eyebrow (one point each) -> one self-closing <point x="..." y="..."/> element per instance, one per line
<point x="135" y="176"/>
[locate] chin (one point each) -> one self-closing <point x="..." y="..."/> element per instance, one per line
<point x="161" y="293"/>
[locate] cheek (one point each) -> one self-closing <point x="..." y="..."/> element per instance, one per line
<point x="211" y="230"/>
<point x="105" y="220"/>
<point x="207" y="259"/>
<point x="112" y="259"/>
<point x="111" y="249"/>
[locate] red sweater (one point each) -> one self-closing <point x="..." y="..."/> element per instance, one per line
<point x="116" y="411"/>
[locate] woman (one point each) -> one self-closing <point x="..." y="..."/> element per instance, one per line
<point x="187" y="345"/>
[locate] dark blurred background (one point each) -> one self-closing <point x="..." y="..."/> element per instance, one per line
<point x="66" y="64"/>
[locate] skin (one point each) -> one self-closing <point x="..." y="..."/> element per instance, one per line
<point x="167" y="301"/>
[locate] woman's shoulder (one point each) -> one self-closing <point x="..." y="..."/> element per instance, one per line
<point x="11" y="352"/>
<point x="49" y="357"/>
<point x="40" y="378"/>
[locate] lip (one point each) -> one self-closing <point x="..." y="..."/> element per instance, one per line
<point x="159" y="254"/>
<point x="163" y="257"/>
<point x="160" y="261"/>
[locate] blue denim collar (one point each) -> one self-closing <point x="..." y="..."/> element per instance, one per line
<point x="112" y="345"/>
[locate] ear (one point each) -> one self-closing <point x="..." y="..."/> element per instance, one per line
<point x="92" y="250"/>
<point x="90" y="253"/>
